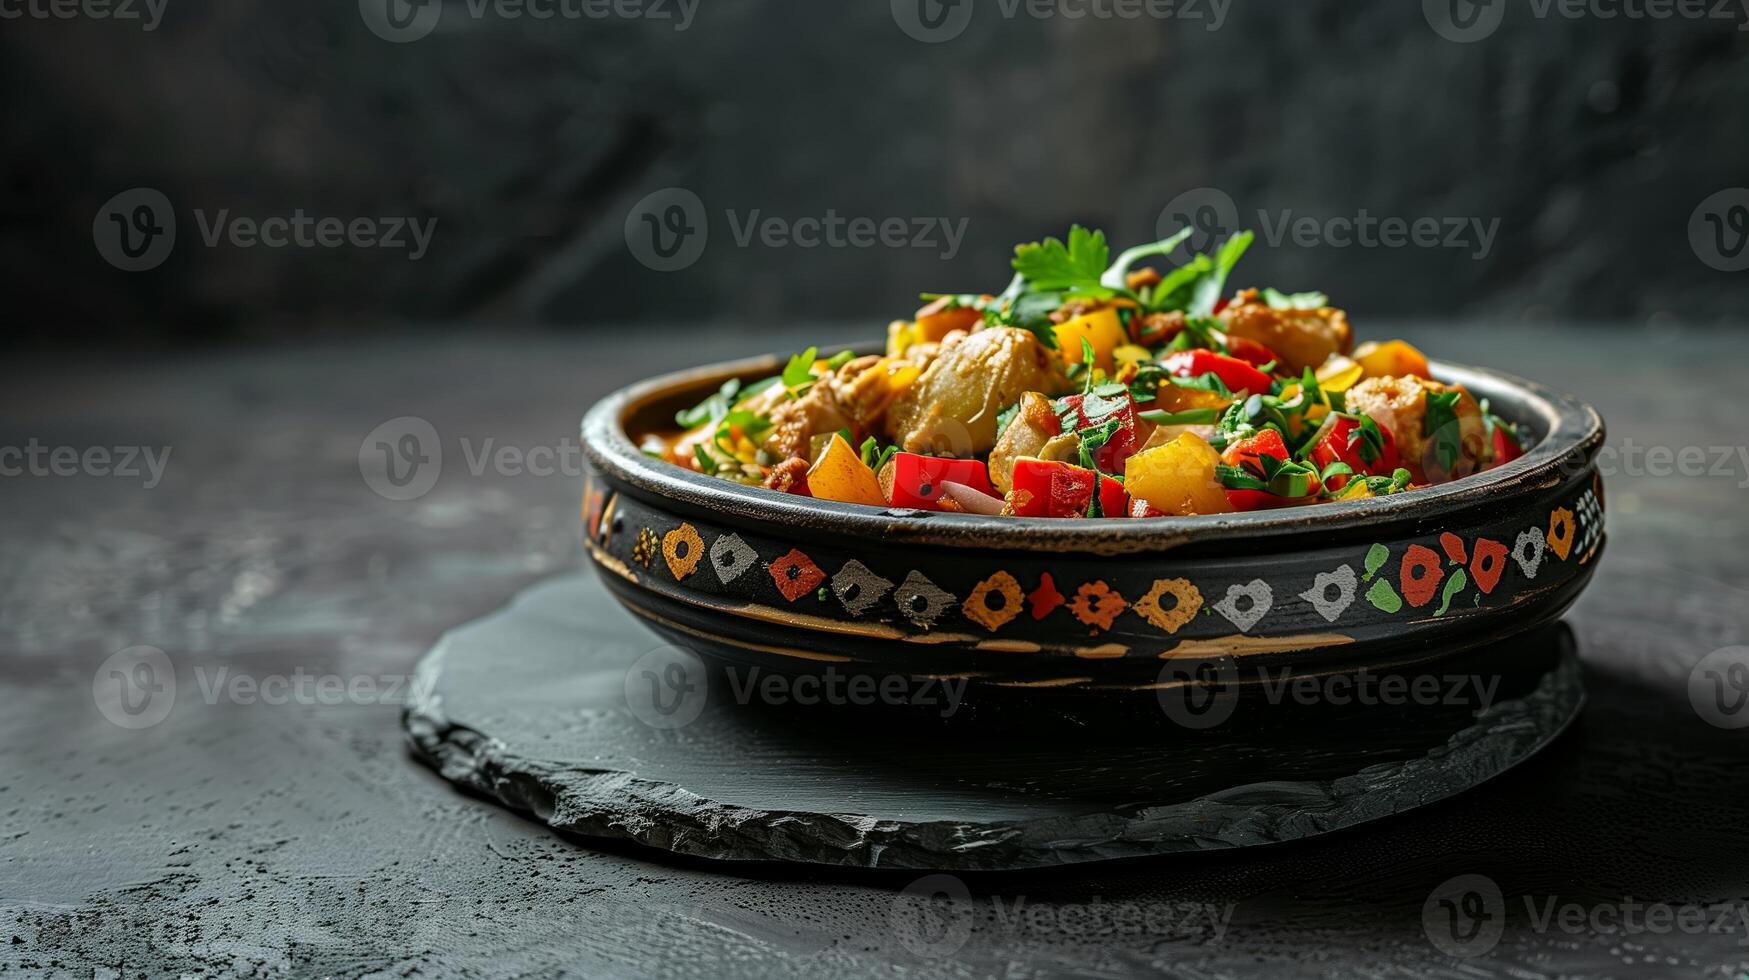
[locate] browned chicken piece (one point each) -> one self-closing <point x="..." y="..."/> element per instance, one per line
<point x="951" y="410"/>
<point x="1033" y="426"/>
<point x="795" y="423"/>
<point x="1400" y="404"/>
<point x="863" y="388"/>
<point x="1303" y="338"/>
<point x="789" y="476"/>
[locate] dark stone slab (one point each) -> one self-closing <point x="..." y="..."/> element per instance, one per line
<point x="565" y="706"/>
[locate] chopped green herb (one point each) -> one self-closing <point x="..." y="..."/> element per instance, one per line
<point x="1440" y="423"/>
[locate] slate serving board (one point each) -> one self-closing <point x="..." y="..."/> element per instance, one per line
<point x="538" y="707"/>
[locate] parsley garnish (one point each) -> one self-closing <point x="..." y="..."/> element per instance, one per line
<point x="1051" y="266"/>
<point x="712" y="408"/>
<point x="1440" y="423"/>
<point x="798" y="374"/>
<point x="1294" y="301"/>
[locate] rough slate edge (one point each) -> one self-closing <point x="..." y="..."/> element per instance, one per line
<point x="621" y="805"/>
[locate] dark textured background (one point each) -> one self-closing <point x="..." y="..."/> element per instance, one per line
<point x="1591" y="140"/>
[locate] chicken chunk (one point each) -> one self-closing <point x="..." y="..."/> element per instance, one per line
<point x="951" y="410"/>
<point x="795" y="423"/>
<point x="1303" y="338"/>
<point x="1033" y="426"/>
<point x="1400" y="405"/>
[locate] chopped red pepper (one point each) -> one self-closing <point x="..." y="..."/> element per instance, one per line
<point x="1233" y="372"/>
<point x="1249" y="351"/>
<point x="1047" y="488"/>
<point x="1123" y="443"/>
<point x="1244" y="455"/>
<point x="917" y="479"/>
<point x="1343" y="442"/>
<point x="1506" y="446"/>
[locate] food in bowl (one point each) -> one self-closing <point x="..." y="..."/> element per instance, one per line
<point x="1094" y="388"/>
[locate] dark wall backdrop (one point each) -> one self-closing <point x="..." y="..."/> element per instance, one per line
<point x="1591" y="140"/>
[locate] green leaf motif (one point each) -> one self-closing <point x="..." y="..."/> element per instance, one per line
<point x="1453" y="586"/>
<point x="1385" y="598"/>
<point x="1376" y="557"/>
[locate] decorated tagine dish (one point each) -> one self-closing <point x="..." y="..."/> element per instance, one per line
<point x="1108" y="466"/>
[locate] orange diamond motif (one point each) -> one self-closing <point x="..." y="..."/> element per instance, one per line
<point x="682" y="549"/>
<point x="1186" y="603"/>
<point x="1001" y="586"/>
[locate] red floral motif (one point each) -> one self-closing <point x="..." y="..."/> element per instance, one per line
<point x="1454" y="548"/>
<point x="1489" y="563"/>
<point x="796" y="575"/>
<point x="1045" y="599"/>
<point x="1420" y="576"/>
<point x="1096" y="604"/>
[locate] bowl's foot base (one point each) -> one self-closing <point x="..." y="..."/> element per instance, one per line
<point x="565" y="707"/>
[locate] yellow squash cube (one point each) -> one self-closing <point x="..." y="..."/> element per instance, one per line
<point x="1178" y="478"/>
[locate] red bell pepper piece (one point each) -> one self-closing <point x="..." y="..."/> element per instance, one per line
<point x="1244" y="455"/>
<point x="1141" y="508"/>
<point x="1343" y="443"/>
<point x="1233" y="372"/>
<point x="1249" y="351"/>
<point x="1506" y="445"/>
<point x="1123" y="443"/>
<point x="1046" y="488"/>
<point x="917" y="479"/>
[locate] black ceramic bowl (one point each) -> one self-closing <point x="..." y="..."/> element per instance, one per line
<point x="800" y="585"/>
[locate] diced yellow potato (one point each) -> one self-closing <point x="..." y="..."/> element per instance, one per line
<point x="1391" y="359"/>
<point x="1177" y="478"/>
<point x="1130" y="354"/>
<point x="901" y="334"/>
<point x="1101" y="328"/>
<point x="1340" y="373"/>
<point x="840" y="474"/>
